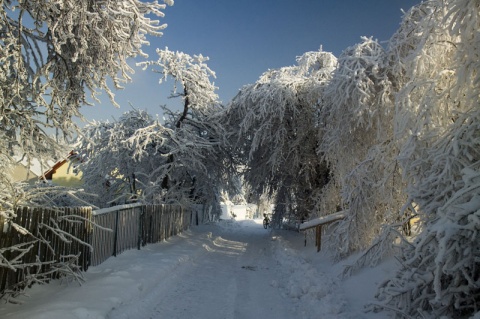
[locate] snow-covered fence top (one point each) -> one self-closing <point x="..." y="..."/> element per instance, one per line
<point x="322" y="220"/>
<point x="115" y="208"/>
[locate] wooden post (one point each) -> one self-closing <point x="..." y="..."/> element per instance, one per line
<point x="115" y="234"/>
<point x="318" y="237"/>
<point x="141" y="226"/>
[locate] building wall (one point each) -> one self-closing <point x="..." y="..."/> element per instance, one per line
<point x="67" y="176"/>
<point x="20" y="173"/>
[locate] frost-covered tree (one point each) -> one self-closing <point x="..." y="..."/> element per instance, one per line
<point x="183" y="160"/>
<point x="57" y="53"/>
<point x="110" y="168"/>
<point x="54" y="56"/>
<point x="198" y="160"/>
<point x="440" y="271"/>
<point x="357" y="142"/>
<point x="272" y="125"/>
<point x="54" y="52"/>
<point x="439" y="112"/>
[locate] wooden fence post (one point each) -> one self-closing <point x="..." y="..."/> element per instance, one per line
<point x="141" y="226"/>
<point x="318" y="237"/>
<point x="115" y="234"/>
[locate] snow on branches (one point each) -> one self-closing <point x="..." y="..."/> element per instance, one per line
<point x="198" y="158"/>
<point x="193" y="75"/>
<point x="111" y="167"/>
<point x="53" y="51"/>
<point x="440" y="271"/>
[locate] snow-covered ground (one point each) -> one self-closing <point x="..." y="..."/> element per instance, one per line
<point x="230" y="269"/>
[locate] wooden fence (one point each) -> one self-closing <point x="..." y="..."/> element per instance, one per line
<point x="132" y="226"/>
<point x="317" y="223"/>
<point x="45" y="236"/>
<point x="38" y="238"/>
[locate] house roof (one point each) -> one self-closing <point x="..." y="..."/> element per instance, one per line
<point x="35" y="166"/>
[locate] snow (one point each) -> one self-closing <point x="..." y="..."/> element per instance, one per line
<point x="229" y="269"/>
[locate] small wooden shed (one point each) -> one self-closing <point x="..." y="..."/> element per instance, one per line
<point x="318" y="223"/>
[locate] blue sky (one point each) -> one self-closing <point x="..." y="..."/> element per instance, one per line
<point x="245" y="38"/>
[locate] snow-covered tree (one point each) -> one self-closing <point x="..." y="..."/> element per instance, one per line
<point x="438" y="115"/>
<point x="54" y="52"/>
<point x="197" y="159"/>
<point x="183" y="160"/>
<point x="357" y="142"/>
<point x="272" y="125"/>
<point x="110" y="168"/>
<point x="54" y="57"/>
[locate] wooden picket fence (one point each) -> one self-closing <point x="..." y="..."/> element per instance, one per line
<point x="39" y="242"/>
<point x="132" y="226"/>
<point x="91" y="236"/>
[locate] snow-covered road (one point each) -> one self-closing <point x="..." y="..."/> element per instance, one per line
<point x="224" y="270"/>
<point x="229" y="277"/>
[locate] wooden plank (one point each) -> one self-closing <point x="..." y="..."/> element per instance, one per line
<point x="5" y="239"/>
<point x="163" y="227"/>
<point x="9" y="255"/>
<point x="22" y="215"/>
<point x="35" y="220"/>
<point x="44" y="252"/>
<point x="85" y="255"/>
